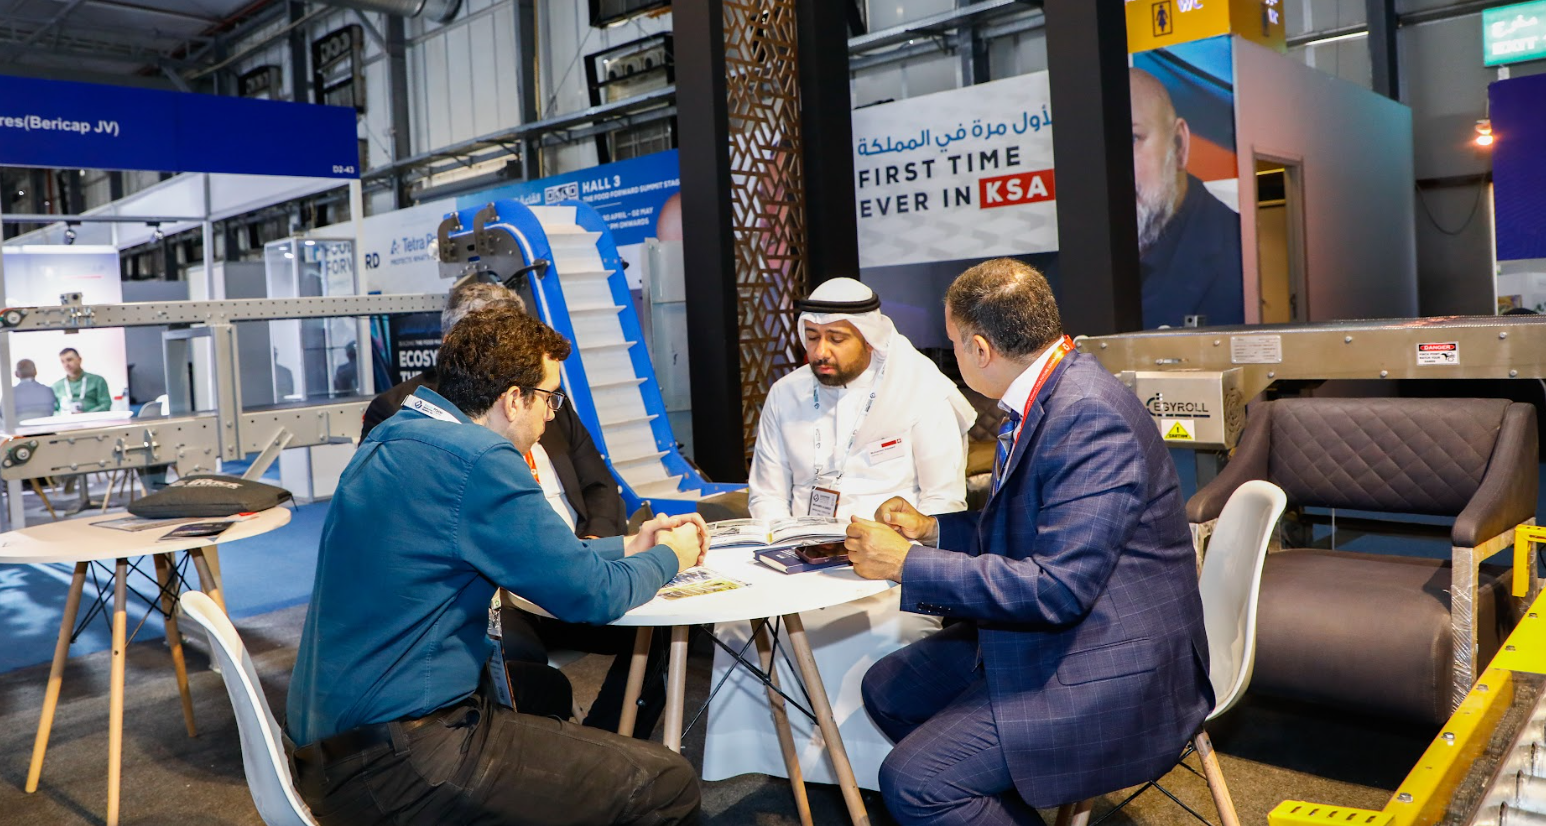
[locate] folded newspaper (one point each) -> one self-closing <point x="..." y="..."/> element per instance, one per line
<point x="698" y="581"/>
<point x="775" y="533"/>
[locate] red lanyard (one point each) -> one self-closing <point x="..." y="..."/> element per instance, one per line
<point x="531" y="462"/>
<point x="1064" y="347"/>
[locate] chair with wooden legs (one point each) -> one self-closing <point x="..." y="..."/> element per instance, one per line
<point x="1230" y="583"/>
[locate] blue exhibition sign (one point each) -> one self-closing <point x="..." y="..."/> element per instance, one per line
<point x="628" y="194"/>
<point x="63" y="124"/>
<point x="1519" y="178"/>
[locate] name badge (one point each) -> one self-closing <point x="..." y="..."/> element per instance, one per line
<point x="884" y="450"/>
<point x="823" y="503"/>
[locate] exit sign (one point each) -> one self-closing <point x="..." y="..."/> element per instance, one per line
<point x="1514" y="33"/>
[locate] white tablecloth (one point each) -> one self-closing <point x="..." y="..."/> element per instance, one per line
<point x="846" y="639"/>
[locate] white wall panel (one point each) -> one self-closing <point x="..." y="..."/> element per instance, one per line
<point x="462" y="76"/>
<point x="484" y="80"/>
<point x="418" y="99"/>
<point x="887" y="13"/>
<point x="1358" y="185"/>
<point x="435" y="84"/>
<point x="459" y="83"/>
<point x="509" y="94"/>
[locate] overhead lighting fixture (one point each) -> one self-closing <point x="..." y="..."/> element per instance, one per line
<point x="1484" y="132"/>
<point x="156" y="234"/>
<point x="69" y="232"/>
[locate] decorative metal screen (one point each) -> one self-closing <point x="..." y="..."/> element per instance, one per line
<point x="763" y="91"/>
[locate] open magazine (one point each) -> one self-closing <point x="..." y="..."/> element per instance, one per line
<point x="776" y="533"/>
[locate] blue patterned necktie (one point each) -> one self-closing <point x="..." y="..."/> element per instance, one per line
<point x="1006" y="441"/>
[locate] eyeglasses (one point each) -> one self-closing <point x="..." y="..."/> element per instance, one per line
<point x="555" y="397"/>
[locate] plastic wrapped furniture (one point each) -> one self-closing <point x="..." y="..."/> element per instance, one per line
<point x="1393" y="635"/>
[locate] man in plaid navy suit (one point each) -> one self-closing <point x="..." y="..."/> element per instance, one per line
<point x="1079" y="666"/>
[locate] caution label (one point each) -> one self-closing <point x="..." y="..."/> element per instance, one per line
<point x="1177" y="430"/>
<point x="1438" y="352"/>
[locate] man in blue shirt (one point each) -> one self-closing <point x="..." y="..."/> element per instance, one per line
<point x="436" y="509"/>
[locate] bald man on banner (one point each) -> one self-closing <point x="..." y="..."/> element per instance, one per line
<point x="1188" y="240"/>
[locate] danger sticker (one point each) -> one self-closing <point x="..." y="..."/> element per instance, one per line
<point x="1177" y="430"/>
<point x="1438" y="352"/>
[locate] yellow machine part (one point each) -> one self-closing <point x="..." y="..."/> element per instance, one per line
<point x="1425" y="793"/>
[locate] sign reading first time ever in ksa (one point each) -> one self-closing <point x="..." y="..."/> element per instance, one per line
<point x="1511" y="34"/>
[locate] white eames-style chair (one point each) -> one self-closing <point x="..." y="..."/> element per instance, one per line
<point x="263" y="754"/>
<point x="1230" y="583"/>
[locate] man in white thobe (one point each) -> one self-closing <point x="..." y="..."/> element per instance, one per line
<point x="868" y="417"/>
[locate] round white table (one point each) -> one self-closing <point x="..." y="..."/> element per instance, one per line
<point x="767" y="594"/>
<point x="82" y="542"/>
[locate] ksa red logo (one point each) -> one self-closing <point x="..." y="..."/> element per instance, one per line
<point x="1019" y="188"/>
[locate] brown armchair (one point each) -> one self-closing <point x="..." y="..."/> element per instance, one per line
<point x="1394" y="635"/>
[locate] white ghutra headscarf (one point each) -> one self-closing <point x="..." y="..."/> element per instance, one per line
<point x="908" y="373"/>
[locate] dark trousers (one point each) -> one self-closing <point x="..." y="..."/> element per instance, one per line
<point x="479" y="764"/>
<point x="527" y="638"/>
<point x="948" y="767"/>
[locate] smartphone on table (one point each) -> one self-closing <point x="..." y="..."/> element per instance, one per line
<point x="822" y="552"/>
<point x="196" y="529"/>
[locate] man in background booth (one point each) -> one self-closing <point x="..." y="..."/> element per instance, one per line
<point x="1188" y="240"/>
<point x="33" y="399"/>
<point x="80" y="391"/>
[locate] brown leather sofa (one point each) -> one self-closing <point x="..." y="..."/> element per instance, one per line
<point x="1393" y="635"/>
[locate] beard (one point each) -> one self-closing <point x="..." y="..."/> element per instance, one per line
<point x="839" y="379"/>
<point x="1157" y="204"/>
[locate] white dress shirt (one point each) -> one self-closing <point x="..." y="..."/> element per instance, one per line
<point x="928" y="467"/>
<point x="1019" y="391"/>
<point x="547" y="477"/>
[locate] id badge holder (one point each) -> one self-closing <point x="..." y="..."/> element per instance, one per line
<point x="824" y="502"/>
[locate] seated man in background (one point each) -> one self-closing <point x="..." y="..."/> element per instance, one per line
<point x="1080" y="665"/>
<point x="437" y="509"/>
<point x="33" y="399"/>
<point x="581" y="490"/>
<point x="80" y="391"/>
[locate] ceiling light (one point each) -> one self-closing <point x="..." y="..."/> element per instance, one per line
<point x="1484" y="132"/>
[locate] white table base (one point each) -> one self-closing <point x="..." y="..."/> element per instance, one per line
<point x="846" y="640"/>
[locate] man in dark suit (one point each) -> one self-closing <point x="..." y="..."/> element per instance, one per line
<point x="1079" y="666"/>
<point x="588" y="489"/>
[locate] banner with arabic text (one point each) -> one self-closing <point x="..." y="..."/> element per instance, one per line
<point x="960" y="174"/>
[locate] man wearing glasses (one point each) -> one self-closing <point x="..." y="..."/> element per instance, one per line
<point x="580" y="489"/>
<point x="398" y="719"/>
